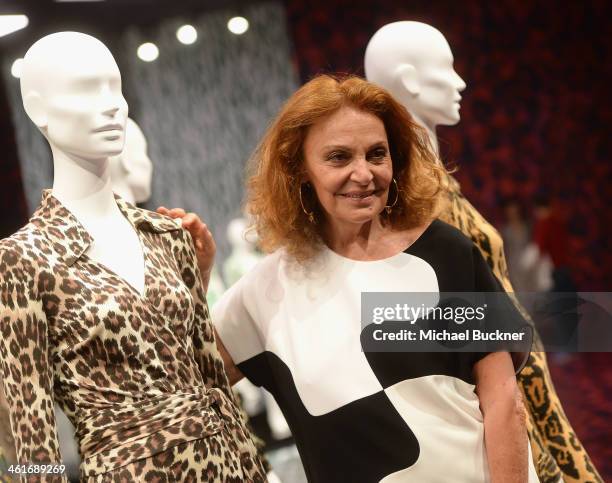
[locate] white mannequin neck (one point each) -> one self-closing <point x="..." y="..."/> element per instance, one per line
<point x="91" y="197"/>
<point x="430" y="129"/>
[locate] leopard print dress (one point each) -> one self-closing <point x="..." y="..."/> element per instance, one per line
<point x="138" y="375"/>
<point x="7" y="453"/>
<point x="556" y="450"/>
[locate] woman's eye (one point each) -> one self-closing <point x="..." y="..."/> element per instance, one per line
<point x="337" y="156"/>
<point x="378" y="154"/>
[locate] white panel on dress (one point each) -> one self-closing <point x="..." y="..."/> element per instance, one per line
<point x="312" y="322"/>
<point x="444" y="414"/>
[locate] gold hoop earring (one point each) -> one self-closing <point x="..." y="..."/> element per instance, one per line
<point x="309" y="214"/>
<point x="388" y="208"/>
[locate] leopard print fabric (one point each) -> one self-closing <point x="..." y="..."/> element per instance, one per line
<point x="557" y="452"/>
<point x="3" y="469"/>
<point x="139" y="376"/>
<point x="7" y="452"/>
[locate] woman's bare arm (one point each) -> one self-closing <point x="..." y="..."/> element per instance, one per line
<point x="233" y="373"/>
<point x="504" y="418"/>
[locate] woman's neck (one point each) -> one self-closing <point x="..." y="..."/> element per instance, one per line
<point x="354" y="239"/>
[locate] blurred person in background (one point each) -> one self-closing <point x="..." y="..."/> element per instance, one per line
<point x="551" y="236"/>
<point x="516" y="233"/>
<point x="559" y="311"/>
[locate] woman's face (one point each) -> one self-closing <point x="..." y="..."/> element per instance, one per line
<point x="348" y="163"/>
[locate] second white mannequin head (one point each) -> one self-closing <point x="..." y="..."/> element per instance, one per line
<point x="414" y="62"/>
<point x="132" y="170"/>
<point x="71" y="90"/>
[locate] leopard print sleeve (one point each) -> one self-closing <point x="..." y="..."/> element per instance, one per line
<point x="26" y="369"/>
<point x="206" y="352"/>
<point x="201" y="332"/>
<point x="7" y="445"/>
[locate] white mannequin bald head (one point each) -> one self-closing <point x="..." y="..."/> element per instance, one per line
<point x="414" y="62"/>
<point x="71" y="90"/>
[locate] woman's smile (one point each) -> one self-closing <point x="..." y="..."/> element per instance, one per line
<point x="360" y="198"/>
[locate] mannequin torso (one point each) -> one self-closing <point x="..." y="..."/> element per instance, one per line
<point x="102" y="306"/>
<point x="116" y="245"/>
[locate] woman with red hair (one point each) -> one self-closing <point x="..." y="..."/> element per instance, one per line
<point x="344" y="192"/>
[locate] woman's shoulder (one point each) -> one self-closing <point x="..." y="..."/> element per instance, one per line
<point x="267" y="266"/>
<point x="441" y="234"/>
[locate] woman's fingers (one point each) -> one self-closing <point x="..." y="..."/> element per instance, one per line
<point x="172" y="212"/>
<point x="192" y="222"/>
<point x="202" y="237"/>
<point x="205" y="238"/>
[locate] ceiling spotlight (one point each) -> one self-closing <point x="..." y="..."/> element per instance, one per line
<point x="12" y="23"/>
<point x="16" y="68"/>
<point x="148" y="52"/>
<point x="238" y="25"/>
<point x="187" y="34"/>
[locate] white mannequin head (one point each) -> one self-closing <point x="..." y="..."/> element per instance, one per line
<point x="244" y="255"/>
<point x="414" y="62"/>
<point x="131" y="171"/>
<point x="236" y="231"/>
<point x="71" y="90"/>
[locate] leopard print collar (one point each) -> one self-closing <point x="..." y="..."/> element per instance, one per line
<point x="69" y="238"/>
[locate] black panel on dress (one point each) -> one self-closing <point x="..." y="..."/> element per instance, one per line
<point x="379" y="442"/>
<point x="449" y="253"/>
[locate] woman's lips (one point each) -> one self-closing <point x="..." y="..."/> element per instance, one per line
<point x="361" y="197"/>
<point x="358" y="194"/>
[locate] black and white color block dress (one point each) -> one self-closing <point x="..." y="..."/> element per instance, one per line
<point x="363" y="416"/>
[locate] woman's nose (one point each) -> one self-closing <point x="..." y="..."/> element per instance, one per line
<point x="361" y="173"/>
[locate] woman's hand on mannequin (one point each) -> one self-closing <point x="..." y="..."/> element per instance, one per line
<point x="203" y="240"/>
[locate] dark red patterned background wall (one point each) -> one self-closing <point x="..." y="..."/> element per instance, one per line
<point x="534" y="115"/>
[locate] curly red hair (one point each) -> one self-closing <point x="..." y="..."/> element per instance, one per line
<point x="273" y="196"/>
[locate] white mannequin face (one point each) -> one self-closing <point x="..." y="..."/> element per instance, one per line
<point x="438" y="99"/>
<point x="414" y="62"/>
<point x="71" y="88"/>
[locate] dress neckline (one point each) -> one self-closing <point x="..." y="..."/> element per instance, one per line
<point x="420" y="239"/>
